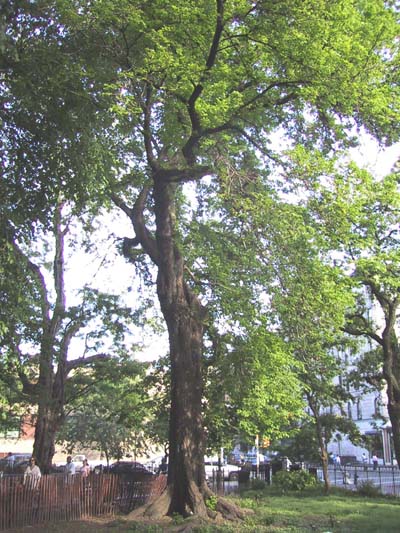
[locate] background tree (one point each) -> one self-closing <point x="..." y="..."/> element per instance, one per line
<point x="310" y="303"/>
<point x="158" y="383"/>
<point x="360" y="216"/>
<point x="37" y="347"/>
<point x="111" y="411"/>
<point x="305" y="302"/>
<point x="50" y="121"/>
<point x="251" y="389"/>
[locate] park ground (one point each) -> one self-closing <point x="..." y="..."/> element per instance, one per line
<point x="309" y="511"/>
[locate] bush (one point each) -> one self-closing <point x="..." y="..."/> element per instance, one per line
<point x="211" y="502"/>
<point x="258" y="484"/>
<point x="296" y="480"/>
<point x="367" y="488"/>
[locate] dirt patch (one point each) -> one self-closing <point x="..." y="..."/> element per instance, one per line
<point x="111" y="525"/>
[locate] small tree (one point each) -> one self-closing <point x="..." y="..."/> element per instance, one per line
<point x="359" y="215"/>
<point x="111" y="412"/>
<point x="41" y="326"/>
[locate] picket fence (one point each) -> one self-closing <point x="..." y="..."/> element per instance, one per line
<point x="59" y="497"/>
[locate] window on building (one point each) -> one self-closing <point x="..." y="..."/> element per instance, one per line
<point x="349" y="410"/>
<point x="359" y="409"/>
<point x="377" y="406"/>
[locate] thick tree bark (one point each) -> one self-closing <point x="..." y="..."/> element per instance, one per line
<point x="50" y="411"/>
<point x="184" y="316"/>
<point x="45" y="434"/>
<point x="391" y="373"/>
<point x="187" y="490"/>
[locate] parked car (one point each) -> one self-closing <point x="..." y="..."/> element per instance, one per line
<point x="153" y="464"/>
<point x="250" y="459"/>
<point x="229" y="472"/>
<point x="130" y="469"/>
<point x="21" y="461"/>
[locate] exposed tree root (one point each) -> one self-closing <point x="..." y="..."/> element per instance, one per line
<point x="230" y="511"/>
<point x="224" y="509"/>
<point x="155" y="509"/>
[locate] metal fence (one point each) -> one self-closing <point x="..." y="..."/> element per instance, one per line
<point x="58" y="497"/>
<point x="353" y="477"/>
<point x="384" y="478"/>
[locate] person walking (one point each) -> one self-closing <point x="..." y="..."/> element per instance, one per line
<point x="375" y="461"/>
<point x="364" y="460"/>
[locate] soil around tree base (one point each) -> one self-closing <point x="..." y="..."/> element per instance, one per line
<point x="120" y="524"/>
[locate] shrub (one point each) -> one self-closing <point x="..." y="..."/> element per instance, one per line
<point x="296" y="480"/>
<point x="211" y="502"/>
<point x="367" y="488"/>
<point x="258" y="484"/>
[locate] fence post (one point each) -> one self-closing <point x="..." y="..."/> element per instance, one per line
<point x="394" y="481"/>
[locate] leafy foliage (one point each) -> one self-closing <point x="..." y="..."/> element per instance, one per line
<point x="110" y="413"/>
<point x="297" y="480"/>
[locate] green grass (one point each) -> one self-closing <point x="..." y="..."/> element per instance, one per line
<point x="312" y="510"/>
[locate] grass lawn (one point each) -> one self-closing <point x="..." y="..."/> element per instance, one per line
<point x="341" y="511"/>
<point x="308" y="511"/>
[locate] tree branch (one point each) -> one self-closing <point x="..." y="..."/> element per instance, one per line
<point x="81" y="362"/>
<point x="195" y="135"/>
<point x="359" y="332"/>
<point x="35" y="270"/>
<point x="58" y="271"/>
<point x="136" y="215"/>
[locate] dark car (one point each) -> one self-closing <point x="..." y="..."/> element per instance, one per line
<point x="130" y="469"/>
<point x="18" y="465"/>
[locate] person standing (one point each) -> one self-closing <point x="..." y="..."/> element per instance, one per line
<point x="10" y="461"/>
<point x="70" y="467"/>
<point x="375" y="461"/>
<point x="286" y="464"/>
<point x="364" y="459"/>
<point x="85" y="470"/>
<point x="32" y="475"/>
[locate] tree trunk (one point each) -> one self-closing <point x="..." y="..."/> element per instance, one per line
<point x="391" y="372"/>
<point x="321" y="442"/>
<point x="45" y="434"/>
<point x="324" y="460"/>
<point x="184" y="316"/>
<point x="187" y="490"/>
<point x="394" y="416"/>
<point x="50" y="413"/>
<point x="186" y="438"/>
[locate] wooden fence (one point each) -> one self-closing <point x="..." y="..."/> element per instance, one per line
<point x="59" y="497"/>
